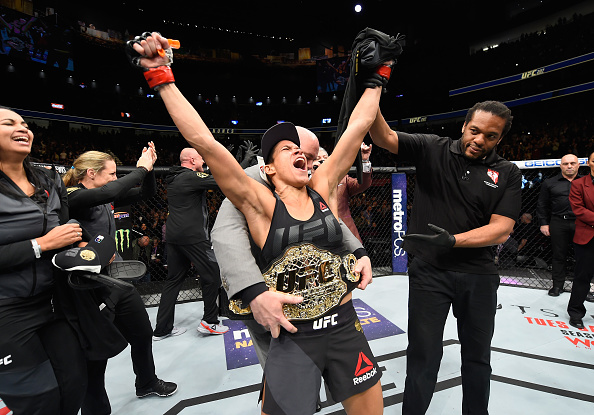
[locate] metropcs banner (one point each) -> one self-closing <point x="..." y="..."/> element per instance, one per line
<point x="399" y="203"/>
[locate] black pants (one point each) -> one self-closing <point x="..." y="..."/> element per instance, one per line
<point x="474" y="300"/>
<point x="129" y="315"/>
<point x="584" y="270"/>
<point x="562" y="231"/>
<point x="179" y="260"/>
<point x="43" y="370"/>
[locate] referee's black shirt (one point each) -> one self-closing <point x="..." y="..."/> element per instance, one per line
<point x="553" y="199"/>
<point x="457" y="194"/>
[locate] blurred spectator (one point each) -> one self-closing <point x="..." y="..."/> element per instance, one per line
<point x="514" y="250"/>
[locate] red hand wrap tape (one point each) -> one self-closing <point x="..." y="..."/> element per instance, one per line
<point x="159" y="76"/>
<point x="384" y="71"/>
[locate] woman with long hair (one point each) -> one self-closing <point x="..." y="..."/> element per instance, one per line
<point x="300" y="210"/>
<point x="43" y="366"/>
<point x="93" y="190"/>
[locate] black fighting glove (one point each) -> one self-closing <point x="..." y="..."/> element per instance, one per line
<point x="371" y="49"/>
<point x="380" y="77"/>
<point x="156" y="76"/>
<point x="250" y="151"/>
<point x="442" y="238"/>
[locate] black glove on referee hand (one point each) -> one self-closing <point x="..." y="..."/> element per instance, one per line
<point x="442" y="238"/>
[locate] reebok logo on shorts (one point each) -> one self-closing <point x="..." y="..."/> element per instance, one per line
<point x="364" y="370"/>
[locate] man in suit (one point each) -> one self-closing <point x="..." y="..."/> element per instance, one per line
<point x="556" y="218"/>
<point x="581" y="197"/>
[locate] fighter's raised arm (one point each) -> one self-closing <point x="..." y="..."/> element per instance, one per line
<point x="303" y="259"/>
<point x="248" y="195"/>
<point x="327" y="176"/>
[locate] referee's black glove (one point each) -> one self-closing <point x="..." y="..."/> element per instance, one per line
<point x="441" y="238"/>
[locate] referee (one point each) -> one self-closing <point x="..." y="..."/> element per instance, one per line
<point x="478" y="196"/>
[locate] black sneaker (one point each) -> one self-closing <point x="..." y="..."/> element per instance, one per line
<point x="160" y="387"/>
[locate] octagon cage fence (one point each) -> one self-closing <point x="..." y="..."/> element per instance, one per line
<point x="372" y="212"/>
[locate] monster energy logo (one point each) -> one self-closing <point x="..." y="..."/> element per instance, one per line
<point x="120" y="238"/>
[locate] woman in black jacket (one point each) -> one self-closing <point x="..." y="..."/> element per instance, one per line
<point x="42" y="366"/>
<point x="93" y="189"/>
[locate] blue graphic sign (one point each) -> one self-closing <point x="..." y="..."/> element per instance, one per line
<point x="375" y="326"/>
<point x="239" y="349"/>
<point x="240" y="352"/>
<point x="399" y="201"/>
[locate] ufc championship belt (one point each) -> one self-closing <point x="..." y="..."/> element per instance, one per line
<point x="319" y="276"/>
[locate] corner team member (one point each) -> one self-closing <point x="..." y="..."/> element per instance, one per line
<point x="581" y="197"/>
<point x="93" y="188"/>
<point x="188" y="243"/>
<point x="240" y="273"/>
<point x="556" y="218"/>
<point x="42" y="365"/>
<point x="478" y="195"/>
<point x="292" y="378"/>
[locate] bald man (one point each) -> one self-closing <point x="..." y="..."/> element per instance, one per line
<point x="556" y="218"/>
<point x="188" y="243"/>
<point x="242" y="278"/>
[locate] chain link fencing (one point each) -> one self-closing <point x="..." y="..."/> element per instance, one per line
<point x="530" y="266"/>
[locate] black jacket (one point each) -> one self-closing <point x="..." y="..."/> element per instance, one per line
<point x="22" y="275"/>
<point x="187" y="222"/>
<point x="22" y="219"/>
<point x="93" y="208"/>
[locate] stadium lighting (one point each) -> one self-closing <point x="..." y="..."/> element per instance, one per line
<point x="358" y="8"/>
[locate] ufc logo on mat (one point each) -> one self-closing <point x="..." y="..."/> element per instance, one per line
<point x="325" y="321"/>
<point x="6" y="360"/>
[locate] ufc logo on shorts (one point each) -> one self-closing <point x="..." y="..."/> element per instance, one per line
<point x="6" y="360"/>
<point x="325" y="321"/>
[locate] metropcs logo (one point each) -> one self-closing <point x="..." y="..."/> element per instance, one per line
<point x="397" y="222"/>
<point x="365" y="369"/>
<point x="6" y="360"/>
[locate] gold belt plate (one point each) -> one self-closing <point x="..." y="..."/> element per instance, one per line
<point x="318" y="275"/>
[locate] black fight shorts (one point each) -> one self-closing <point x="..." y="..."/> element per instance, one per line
<point x="333" y="347"/>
